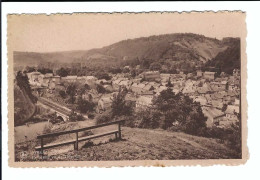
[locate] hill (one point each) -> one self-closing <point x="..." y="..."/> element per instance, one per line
<point x="228" y="59"/>
<point x="182" y="47"/>
<point x="139" y="144"/>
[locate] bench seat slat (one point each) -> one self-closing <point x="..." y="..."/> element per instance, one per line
<point x="97" y="135"/>
<point x="52" y="145"/>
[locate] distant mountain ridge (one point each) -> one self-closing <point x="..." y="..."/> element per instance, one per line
<point x="171" y="47"/>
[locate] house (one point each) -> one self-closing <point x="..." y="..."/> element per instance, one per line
<point x="48" y="75"/>
<point x="209" y="75"/>
<point x="70" y="79"/>
<point x="219" y="86"/>
<point x="33" y="77"/>
<point x="148" y="88"/>
<point x="202" y="100"/>
<point x="143" y="102"/>
<point x="138" y="88"/>
<point x="56" y="79"/>
<point x="81" y="79"/>
<point x="151" y="75"/>
<point x="124" y="83"/>
<point x="165" y="77"/>
<point x="51" y="85"/>
<point x="233" y="87"/>
<point x="104" y="103"/>
<point x="217" y="104"/>
<point x="189" y="87"/>
<point x="237" y="102"/>
<point x="199" y="73"/>
<point x="213" y="115"/>
<point x="232" y="112"/>
<point x="115" y="84"/>
<point x="108" y="87"/>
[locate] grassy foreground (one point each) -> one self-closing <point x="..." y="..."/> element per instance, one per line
<point x="142" y="144"/>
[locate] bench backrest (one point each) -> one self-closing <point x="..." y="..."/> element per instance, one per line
<point x="78" y="130"/>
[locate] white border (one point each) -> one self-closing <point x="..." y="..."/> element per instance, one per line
<point x="248" y="171"/>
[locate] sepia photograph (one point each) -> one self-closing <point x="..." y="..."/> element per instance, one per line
<point x="120" y="89"/>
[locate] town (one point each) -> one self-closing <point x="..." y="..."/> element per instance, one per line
<point x="218" y="96"/>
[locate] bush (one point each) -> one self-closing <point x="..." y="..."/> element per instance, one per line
<point x="85" y="106"/>
<point x="104" y="117"/>
<point x="101" y="89"/>
<point x="91" y="115"/>
<point x="62" y="94"/>
<point x="75" y="117"/>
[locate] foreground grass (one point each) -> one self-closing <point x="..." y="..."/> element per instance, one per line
<point x="141" y="144"/>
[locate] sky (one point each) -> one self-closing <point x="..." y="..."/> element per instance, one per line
<point x="50" y="33"/>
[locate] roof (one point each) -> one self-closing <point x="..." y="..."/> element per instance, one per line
<point x="34" y="73"/>
<point x="202" y="100"/>
<point x="71" y="77"/>
<point x="117" y="81"/>
<point x="148" y="87"/>
<point x="124" y="83"/>
<point x="140" y="85"/>
<point x="90" y="77"/>
<point x="145" y="99"/>
<point x="212" y="112"/>
<point x="209" y="73"/>
<point x="161" y="88"/>
<point x="231" y="109"/>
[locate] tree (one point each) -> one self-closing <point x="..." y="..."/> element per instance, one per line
<point x="156" y="66"/>
<point x="62" y="94"/>
<point x="101" y="89"/>
<point x="103" y="75"/>
<point x="169" y="84"/>
<point x="181" y="109"/>
<point x="85" y="106"/>
<point x="63" y="72"/>
<point x="119" y="104"/>
<point x="71" y="91"/>
<point x="133" y="73"/>
<point x="23" y="82"/>
<point x="75" y="117"/>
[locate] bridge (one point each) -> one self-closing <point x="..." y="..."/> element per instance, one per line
<point x="61" y="111"/>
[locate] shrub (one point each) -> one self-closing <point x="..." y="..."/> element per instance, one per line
<point x="62" y="94"/>
<point x="75" y="117"/>
<point x="91" y="115"/>
<point x="104" y="117"/>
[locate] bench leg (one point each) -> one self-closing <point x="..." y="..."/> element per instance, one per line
<point x="76" y="146"/>
<point x="116" y="135"/>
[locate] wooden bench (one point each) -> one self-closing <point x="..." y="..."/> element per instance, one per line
<point x="77" y="139"/>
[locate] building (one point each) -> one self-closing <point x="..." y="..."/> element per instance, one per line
<point x="104" y="103"/>
<point x="202" y="100"/>
<point x="199" y="73"/>
<point x="138" y="88"/>
<point x="151" y="75"/>
<point x="143" y="102"/>
<point x="33" y="77"/>
<point x="209" y="75"/>
<point x="214" y="116"/>
<point x="232" y="112"/>
<point x="70" y="79"/>
<point x="56" y="79"/>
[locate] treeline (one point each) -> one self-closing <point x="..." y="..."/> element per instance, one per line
<point x="24" y="100"/>
<point x="42" y="70"/>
